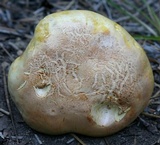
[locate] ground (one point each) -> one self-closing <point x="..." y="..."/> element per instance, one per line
<point x="17" y="23"/>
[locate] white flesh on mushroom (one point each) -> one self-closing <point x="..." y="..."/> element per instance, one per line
<point x="105" y="115"/>
<point x="43" y="91"/>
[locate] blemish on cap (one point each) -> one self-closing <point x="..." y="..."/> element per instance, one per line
<point x="99" y="26"/>
<point x="42" y="31"/>
<point x="42" y="92"/>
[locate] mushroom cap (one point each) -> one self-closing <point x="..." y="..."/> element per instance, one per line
<point x="80" y="73"/>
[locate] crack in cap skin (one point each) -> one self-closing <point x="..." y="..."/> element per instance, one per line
<point x="80" y="73"/>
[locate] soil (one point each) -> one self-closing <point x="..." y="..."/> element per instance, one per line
<point x="17" y="23"/>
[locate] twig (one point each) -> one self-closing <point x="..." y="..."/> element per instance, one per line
<point x="71" y="140"/>
<point x="9" y="31"/>
<point x="145" y="123"/>
<point x="78" y="139"/>
<point x="151" y="115"/>
<point x="157" y="85"/>
<point x="124" y="18"/>
<point x="156" y="94"/>
<point x="154" y="103"/>
<point x="10" y="56"/>
<point x="4" y="65"/>
<point x="4" y="111"/>
<point x="109" y="13"/>
<point x="69" y="5"/>
<point x="13" y="45"/>
<point x="39" y="141"/>
<point x="142" y="23"/>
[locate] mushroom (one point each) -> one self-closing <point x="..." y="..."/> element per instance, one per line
<point x="80" y="73"/>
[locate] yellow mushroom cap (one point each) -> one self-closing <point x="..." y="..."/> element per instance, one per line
<point x="80" y="73"/>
